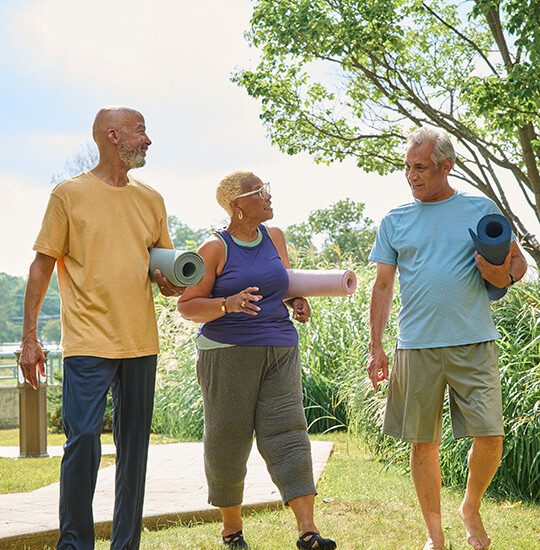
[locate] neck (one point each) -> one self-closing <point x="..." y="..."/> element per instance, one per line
<point x="446" y="193"/>
<point x="111" y="171"/>
<point x="244" y="230"/>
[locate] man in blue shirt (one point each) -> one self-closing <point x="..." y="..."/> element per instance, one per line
<point x="446" y="333"/>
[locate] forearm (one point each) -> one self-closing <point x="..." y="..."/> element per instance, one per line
<point x="379" y="312"/>
<point x="201" y="310"/>
<point x="36" y="288"/>
<point x="518" y="267"/>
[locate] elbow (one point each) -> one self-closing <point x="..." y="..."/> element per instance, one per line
<point x="182" y="310"/>
<point x="383" y="287"/>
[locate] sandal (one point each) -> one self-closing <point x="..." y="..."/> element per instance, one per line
<point x="314" y="541"/>
<point x="235" y="540"/>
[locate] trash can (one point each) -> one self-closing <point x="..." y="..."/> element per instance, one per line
<point x="32" y="415"/>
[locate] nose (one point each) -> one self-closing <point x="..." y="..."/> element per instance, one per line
<point x="411" y="174"/>
<point x="147" y="140"/>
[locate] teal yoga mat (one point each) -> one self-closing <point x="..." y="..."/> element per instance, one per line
<point x="180" y="268"/>
<point x="492" y="241"/>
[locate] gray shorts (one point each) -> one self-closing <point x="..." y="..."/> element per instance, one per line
<point x="417" y="386"/>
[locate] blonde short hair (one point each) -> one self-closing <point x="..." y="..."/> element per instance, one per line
<point x="229" y="188"/>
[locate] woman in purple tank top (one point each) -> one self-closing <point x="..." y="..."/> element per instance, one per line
<point x="248" y="364"/>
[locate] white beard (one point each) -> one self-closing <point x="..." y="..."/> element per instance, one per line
<point x="132" y="157"/>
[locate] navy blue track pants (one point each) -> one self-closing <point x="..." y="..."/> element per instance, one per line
<point x="86" y="382"/>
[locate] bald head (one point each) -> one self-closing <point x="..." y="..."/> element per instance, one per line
<point x="120" y="132"/>
<point x="111" y="118"/>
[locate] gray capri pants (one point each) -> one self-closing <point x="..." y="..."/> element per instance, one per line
<point x="250" y="389"/>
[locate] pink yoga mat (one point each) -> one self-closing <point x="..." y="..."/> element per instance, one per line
<point x="312" y="282"/>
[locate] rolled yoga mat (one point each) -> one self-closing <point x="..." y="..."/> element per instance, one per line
<point x="180" y="268"/>
<point x="492" y="241"/>
<point x="311" y="282"/>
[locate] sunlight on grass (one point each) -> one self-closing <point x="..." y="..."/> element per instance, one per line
<point x="11" y="438"/>
<point x="367" y="507"/>
<point x="19" y="475"/>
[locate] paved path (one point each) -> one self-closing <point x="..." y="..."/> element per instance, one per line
<point x="175" y="491"/>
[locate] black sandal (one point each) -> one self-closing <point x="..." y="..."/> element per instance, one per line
<point x="235" y="540"/>
<point x="314" y="541"/>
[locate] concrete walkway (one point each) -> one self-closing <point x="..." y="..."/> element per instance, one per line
<point x="175" y="491"/>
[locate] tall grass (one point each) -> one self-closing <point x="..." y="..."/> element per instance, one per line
<point x="334" y="347"/>
<point x="178" y="410"/>
<point x="517" y="318"/>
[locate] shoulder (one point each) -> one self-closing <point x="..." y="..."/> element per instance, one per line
<point x="391" y="219"/>
<point x="70" y="186"/>
<point x="146" y="190"/>
<point x="275" y="233"/>
<point x="277" y="236"/>
<point x="212" y="245"/>
<point x="481" y="202"/>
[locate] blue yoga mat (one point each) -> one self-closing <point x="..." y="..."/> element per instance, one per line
<point x="492" y="241"/>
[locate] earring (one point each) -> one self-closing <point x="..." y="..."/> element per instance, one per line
<point x="240" y="215"/>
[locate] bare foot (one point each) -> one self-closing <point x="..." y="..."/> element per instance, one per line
<point x="476" y="534"/>
<point x="433" y="545"/>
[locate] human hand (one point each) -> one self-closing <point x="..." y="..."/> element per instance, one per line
<point x="377" y="367"/>
<point x="166" y="287"/>
<point x="242" y="302"/>
<point x="301" y="310"/>
<point x="497" y="275"/>
<point x="31" y="360"/>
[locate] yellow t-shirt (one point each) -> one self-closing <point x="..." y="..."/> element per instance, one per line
<point x="100" y="236"/>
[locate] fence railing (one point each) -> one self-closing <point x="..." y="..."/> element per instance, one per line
<point x="9" y="370"/>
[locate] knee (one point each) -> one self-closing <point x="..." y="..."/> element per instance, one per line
<point x="488" y="443"/>
<point x="84" y="439"/>
<point x="424" y="449"/>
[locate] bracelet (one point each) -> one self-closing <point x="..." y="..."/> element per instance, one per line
<point x="224" y="305"/>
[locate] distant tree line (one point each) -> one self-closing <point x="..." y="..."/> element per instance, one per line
<point x="331" y="236"/>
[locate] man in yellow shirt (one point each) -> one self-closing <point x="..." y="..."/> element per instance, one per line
<point x="98" y="229"/>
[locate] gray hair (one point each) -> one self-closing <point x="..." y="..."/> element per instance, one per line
<point x="443" y="148"/>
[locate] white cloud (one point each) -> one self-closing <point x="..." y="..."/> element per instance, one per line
<point x="171" y="59"/>
<point x="22" y="207"/>
<point x="298" y="187"/>
<point x="136" y="49"/>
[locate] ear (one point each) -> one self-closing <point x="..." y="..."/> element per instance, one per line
<point x="447" y="166"/>
<point x="112" y="136"/>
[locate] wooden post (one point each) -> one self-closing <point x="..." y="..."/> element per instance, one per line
<point x="32" y="416"/>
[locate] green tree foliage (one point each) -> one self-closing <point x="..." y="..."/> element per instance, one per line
<point x="11" y="292"/>
<point x="350" y="78"/>
<point x="11" y="307"/>
<point x="183" y="236"/>
<point x="340" y="231"/>
<point x="52" y="331"/>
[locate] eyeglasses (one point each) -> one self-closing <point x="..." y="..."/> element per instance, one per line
<point x="263" y="191"/>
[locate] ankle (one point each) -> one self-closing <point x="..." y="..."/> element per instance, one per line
<point x="307" y="527"/>
<point x="229" y="529"/>
<point x="469" y="506"/>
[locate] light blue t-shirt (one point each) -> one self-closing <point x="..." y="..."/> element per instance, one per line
<point x="444" y="301"/>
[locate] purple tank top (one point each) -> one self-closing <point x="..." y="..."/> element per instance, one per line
<point x="258" y="266"/>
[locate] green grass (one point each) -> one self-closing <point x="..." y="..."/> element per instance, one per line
<point x="370" y="508"/>
<point x="19" y="475"/>
<point x="11" y="437"/>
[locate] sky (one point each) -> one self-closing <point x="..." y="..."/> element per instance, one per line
<point x="62" y="60"/>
